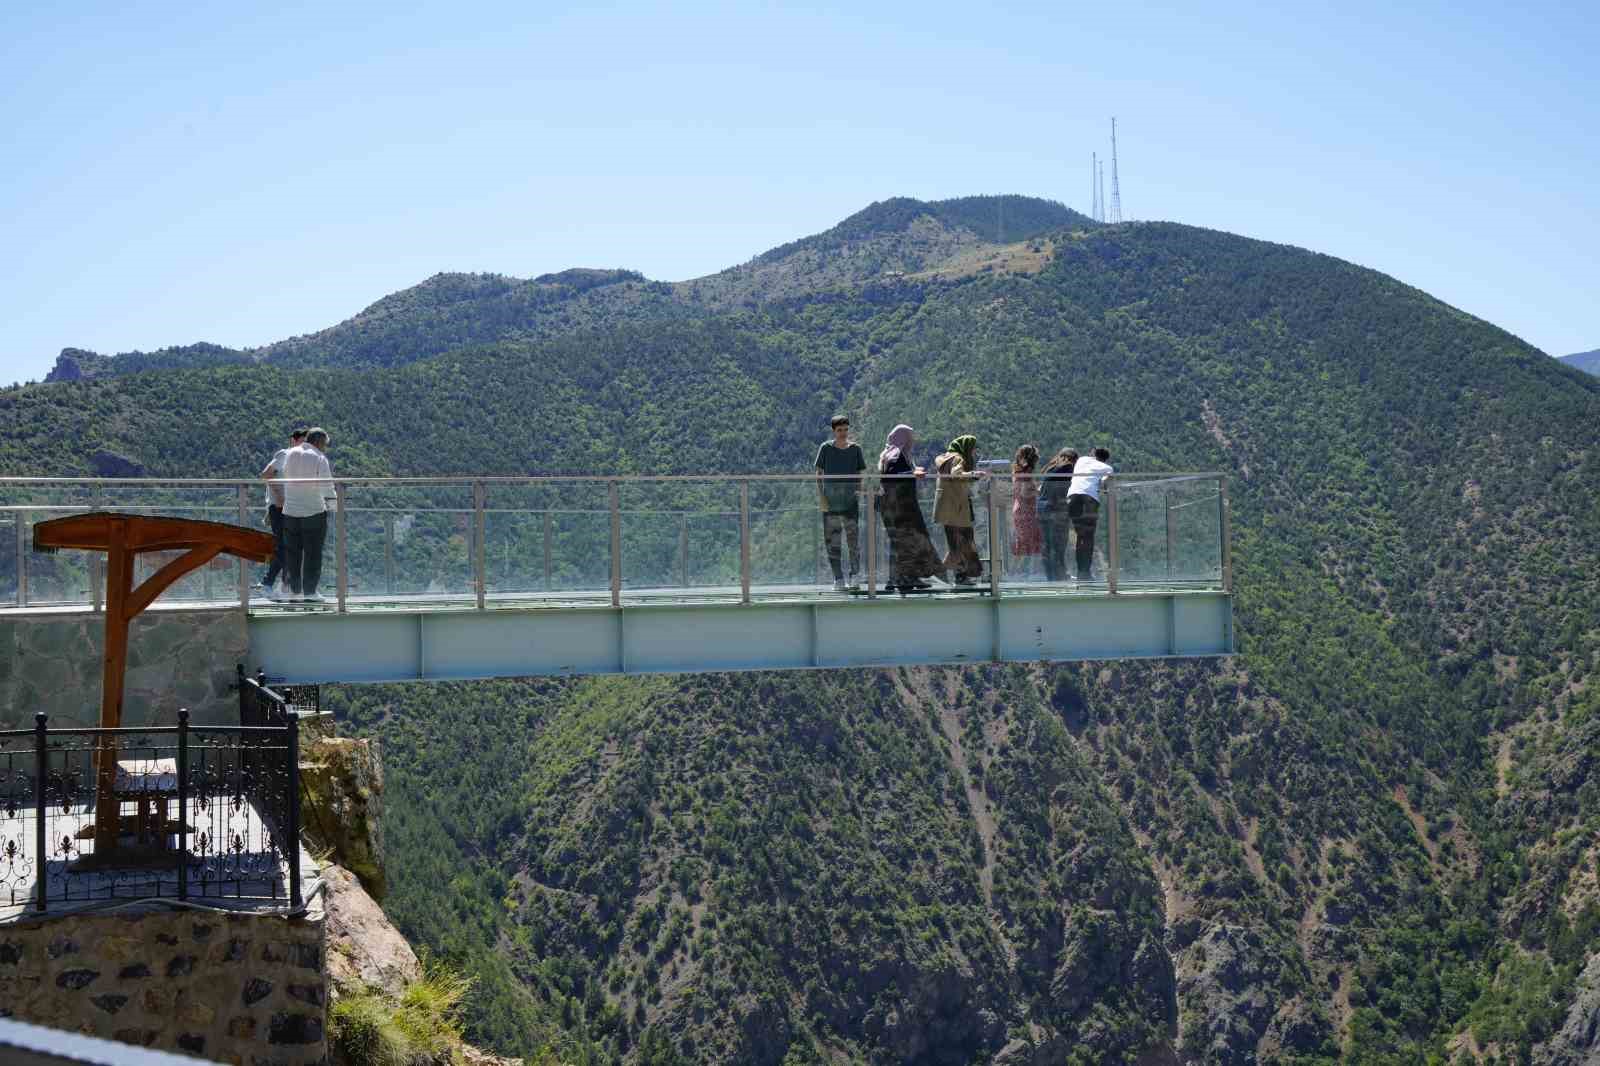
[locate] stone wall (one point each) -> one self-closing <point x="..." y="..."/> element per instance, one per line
<point x="236" y="988"/>
<point x="176" y="658"/>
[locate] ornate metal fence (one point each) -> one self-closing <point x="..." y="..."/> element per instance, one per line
<point x="203" y="812"/>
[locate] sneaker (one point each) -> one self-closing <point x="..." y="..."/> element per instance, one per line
<point x="276" y="595"/>
<point x="259" y="586"/>
<point x="853" y="585"/>
<point x="313" y="597"/>
<point x="838" y="584"/>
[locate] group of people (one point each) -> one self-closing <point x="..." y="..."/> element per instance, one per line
<point x="1049" y="508"/>
<point x="299" y="494"/>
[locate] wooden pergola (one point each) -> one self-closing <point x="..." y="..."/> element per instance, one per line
<point x="123" y="537"/>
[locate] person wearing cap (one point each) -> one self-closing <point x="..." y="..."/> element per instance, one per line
<point x="839" y="466"/>
<point x="307" y="491"/>
<point x="273" y="470"/>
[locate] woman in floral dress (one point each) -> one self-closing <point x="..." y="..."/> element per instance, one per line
<point x="1027" y="540"/>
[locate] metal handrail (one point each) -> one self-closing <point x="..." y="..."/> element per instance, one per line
<point x="1120" y="490"/>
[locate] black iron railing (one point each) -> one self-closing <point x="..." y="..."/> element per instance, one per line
<point x="203" y="812"/>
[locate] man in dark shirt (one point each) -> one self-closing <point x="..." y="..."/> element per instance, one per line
<point x="839" y="497"/>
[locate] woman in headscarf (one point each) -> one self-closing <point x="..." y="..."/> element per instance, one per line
<point x="952" y="507"/>
<point x="911" y="554"/>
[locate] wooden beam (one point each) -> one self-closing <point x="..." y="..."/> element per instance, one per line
<point x="145" y="533"/>
<point x="162" y="579"/>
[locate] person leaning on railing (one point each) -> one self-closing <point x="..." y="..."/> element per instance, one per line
<point x="952" y="507"/>
<point x="275" y="509"/>
<point x="1054" y="521"/>
<point x="1083" y="504"/>
<point x="307" y="491"/>
<point x="911" y="554"/>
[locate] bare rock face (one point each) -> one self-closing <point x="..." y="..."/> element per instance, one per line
<point x="1225" y="980"/>
<point x="1578" y="1041"/>
<point x="111" y="464"/>
<point x="363" y="947"/>
<point x="341" y="788"/>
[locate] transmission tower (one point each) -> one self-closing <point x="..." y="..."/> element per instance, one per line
<point x="1116" y="188"/>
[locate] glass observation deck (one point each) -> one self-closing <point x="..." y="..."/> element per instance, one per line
<point x="489" y="545"/>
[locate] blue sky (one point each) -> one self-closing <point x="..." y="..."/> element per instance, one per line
<point x="243" y="173"/>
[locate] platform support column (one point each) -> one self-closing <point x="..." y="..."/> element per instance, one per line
<point x="614" y="496"/>
<point x="744" y="542"/>
<point x="872" y="545"/>
<point x="22" y="558"/>
<point x="341" y="546"/>
<point x="479" y="549"/>
<point x="243" y="504"/>
<point x="1226" y="519"/>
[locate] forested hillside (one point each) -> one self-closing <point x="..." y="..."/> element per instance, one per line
<point x="1374" y="835"/>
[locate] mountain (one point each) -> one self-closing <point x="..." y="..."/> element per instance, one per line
<point x="1589" y="361"/>
<point x="450" y="311"/>
<point x="1372" y="836"/>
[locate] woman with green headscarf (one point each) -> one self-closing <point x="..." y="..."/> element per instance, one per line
<point x="952" y="507"/>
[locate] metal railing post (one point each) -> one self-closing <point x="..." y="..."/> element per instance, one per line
<point x="183" y="803"/>
<point x="479" y="530"/>
<point x="616" y="543"/>
<point x="97" y="579"/>
<point x="1172" y="530"/>
<point x="292" y="846"/>
<point x="683" y="551"/>
<point x="1227" y="546"/>
<point x="744" y="542"/>
<point x="22" y="558"/>
<point x="341" y="545"/>
<point x="872" y="545"/>
<point x="994" y="539"/>
<point x="548" y="569"/>
<point x="244" y="519"/>
<point x="388" y="554"/>
<point x="1113" y="548"/>
<point x="40" y="859"/>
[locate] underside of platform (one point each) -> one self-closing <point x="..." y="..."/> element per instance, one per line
<point x="414" y="645"/>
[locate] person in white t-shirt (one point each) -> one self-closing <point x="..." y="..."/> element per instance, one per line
<point x="1083" y="504"/>
<point x="307" y="491"/>
<point x="275" y="510"/>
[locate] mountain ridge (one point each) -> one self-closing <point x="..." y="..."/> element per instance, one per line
<point x="906" y="233"/>
<point x="1586" y="361"/>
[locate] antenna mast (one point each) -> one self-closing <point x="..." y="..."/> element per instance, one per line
<point x="1094" y="186"/>
<point x="1116" y="188"/>
<point x="1101" y="179"/>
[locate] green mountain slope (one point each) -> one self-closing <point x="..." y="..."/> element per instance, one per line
<point x="1373" y="834"/>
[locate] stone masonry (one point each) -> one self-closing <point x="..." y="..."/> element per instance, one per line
<point x="176" y="658"/>
<point x="229" y="987"/>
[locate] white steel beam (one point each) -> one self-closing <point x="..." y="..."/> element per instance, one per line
<point x="411" y="645"/>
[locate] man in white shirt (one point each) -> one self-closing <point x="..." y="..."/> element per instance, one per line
<point x="275" y="510"/>
<point x="307" y="491"/>
<point x="1083" y="504"/>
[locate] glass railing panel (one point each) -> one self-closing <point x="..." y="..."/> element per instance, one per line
<point x="46" y="579"/>
<point x="9" y="523"/>
<point x="680" y="537"/>
<point x="218" y="579"/>
<point x="1195" y="509"/>
<point x="1169" y="530"/>
<point x="788" y="542"/>
<point x="405" y="542"/>
<point x="547" y="539"/>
